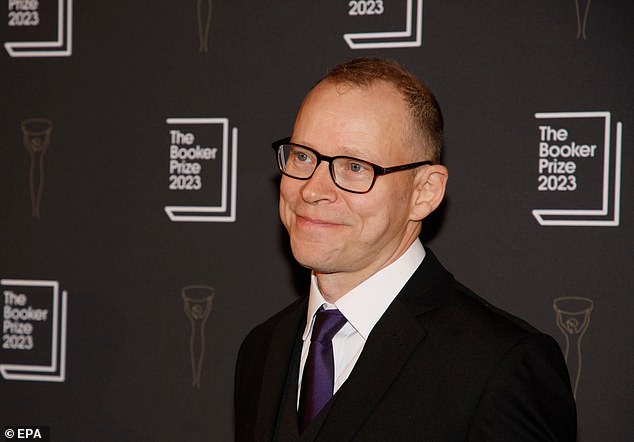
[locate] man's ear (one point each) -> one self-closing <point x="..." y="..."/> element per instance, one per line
<point x="429" y="189"/>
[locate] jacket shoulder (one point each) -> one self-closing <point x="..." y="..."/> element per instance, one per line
<point x="263" y="332"/>
<point x="449" y="304"/>
<point x="462" y="301"/>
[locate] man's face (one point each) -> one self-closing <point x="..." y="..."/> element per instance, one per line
<point x="334" y="231"/>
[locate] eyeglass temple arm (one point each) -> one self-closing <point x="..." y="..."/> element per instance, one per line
<point x="385" y="170"/>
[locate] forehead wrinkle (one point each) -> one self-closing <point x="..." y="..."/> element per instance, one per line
<point x="354" y="152"/>
<point x="343" y="122"/>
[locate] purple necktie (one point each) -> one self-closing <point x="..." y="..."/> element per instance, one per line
<point x="319" y="370"/>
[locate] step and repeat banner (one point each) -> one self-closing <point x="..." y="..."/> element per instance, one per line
<point x="140" y="240"/>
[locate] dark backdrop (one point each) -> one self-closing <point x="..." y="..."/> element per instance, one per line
<point x="96" y="224"/>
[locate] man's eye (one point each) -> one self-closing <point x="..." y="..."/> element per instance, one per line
<point x="301" y="156"/>
<point x="356" y="167"/>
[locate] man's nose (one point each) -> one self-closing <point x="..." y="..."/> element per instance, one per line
<point x="320" y="186"/>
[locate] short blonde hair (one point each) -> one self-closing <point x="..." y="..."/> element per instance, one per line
<point x="426" y="117"/>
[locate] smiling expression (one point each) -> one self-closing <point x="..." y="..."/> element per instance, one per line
<point x="334" y="231"/>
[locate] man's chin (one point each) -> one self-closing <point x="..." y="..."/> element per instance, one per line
<point x="313" y="260"/>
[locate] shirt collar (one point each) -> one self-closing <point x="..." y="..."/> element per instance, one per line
<point x="364" y="305"/>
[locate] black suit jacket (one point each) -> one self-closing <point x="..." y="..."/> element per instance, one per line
<point x="440" y="365"/>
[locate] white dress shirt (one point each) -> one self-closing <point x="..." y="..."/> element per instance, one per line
<point x="362" y="306"/>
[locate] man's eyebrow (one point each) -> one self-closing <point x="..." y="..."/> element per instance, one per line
<point x="353" y="152"/>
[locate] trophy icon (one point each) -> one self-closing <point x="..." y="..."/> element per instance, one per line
<point x="198" y="300"/>
<point x="582" y="21"/>
<point x="36" y="137"/>
<point x="203" y="17"/>
<point x="573" y="319"/>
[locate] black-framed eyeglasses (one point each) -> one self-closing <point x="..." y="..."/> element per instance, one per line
<point x="348" y="173"/>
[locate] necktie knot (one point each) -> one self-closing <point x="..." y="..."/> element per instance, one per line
<point x="327" y="324"/>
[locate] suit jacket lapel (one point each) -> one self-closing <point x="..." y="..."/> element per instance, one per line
<point x="385" y="353"/>
<point x="287" y="424"/>
<point x="278" y="368"/>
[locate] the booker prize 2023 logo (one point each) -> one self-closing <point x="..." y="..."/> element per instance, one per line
<point x="384" y="24"/>
<point x="39" y="28"/>
<point x="33" y="330"/>
<point x="202" y="175"/>
<point x="578" y="169"/>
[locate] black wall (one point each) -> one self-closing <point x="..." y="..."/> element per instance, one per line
<point x="109" y="249"/>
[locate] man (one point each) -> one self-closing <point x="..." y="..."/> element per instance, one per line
<point x="408" y="352"/>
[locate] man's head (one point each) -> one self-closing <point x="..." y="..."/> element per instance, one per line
<point x="375" y="111"/>
<point x="425" y="122"/>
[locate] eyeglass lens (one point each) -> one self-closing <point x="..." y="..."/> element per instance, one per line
<point x="349" y="173"/>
